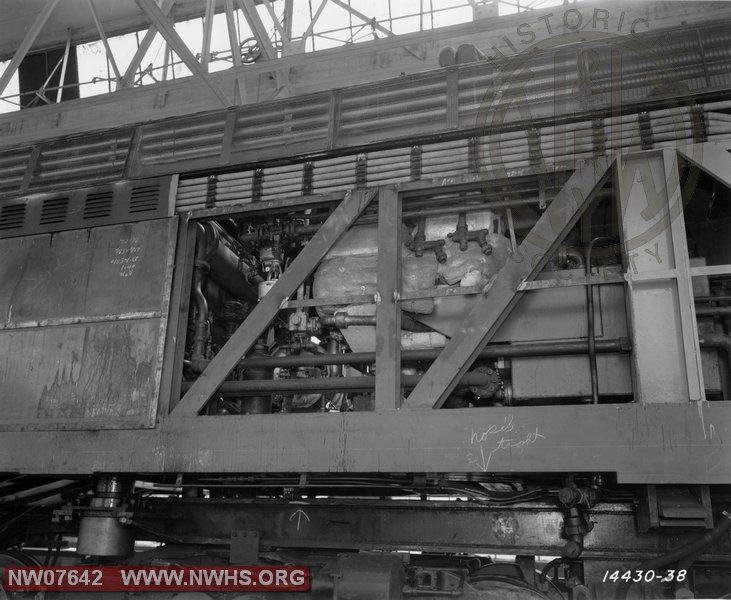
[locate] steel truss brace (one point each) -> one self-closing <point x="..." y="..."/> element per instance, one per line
<point x="166" y="29"/>
<point x="713" y="158"/>
<point x="259" y="318"/>
<point x="490" y="311"/>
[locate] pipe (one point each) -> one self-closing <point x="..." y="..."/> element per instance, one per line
<point x="343" y="320"/>
<point x="493" y="351"/>
<point x="713" y="311"/>
<point x="349" y="384"/>
<point x="202" y="321"/>
<point x="590" y="318"/>
<point x="724" y="298"/>
<point x="223" y="262"/>
<point x="722" y="527"/>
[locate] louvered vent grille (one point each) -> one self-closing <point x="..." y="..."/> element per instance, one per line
<point x="12" y="216"/>
<point x="98" y="205"/>
<point x="144" y="198"/>
<point x="54" y="210"/>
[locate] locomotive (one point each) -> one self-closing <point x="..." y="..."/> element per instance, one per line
<point x="457" y="333"/>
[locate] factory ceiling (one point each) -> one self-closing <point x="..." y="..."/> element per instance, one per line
<point x="75" y="17"/>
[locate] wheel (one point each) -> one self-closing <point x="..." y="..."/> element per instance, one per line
<point x="16" y="558"/>
<point x="502" y="581"/>
<point x="250" y="51"/>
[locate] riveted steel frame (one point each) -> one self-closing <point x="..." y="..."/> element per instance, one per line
<point x="681" y="442"/>
<point x="257" y="322"/>
<point x="487" y="315"/>
<point x="659" y="291"/>
<point x="400" y="525"/>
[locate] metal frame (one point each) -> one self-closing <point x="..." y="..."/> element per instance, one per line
<point x="26" y="44"/>
<point x="659" y="287"/>
<point x="485" y="318"/>
<point x="259" y="318"/>
<point x="682" y="442"/>
<point x="405" y="525"/>
<point x="679" y="443"/>
<point x="166" y="29"/>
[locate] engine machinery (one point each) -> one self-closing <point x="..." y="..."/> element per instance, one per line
<point x="404" y="333"/>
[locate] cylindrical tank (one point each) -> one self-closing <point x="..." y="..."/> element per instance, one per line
<point x="102" y="535"/>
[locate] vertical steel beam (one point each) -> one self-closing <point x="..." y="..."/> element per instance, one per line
<point x="233" y="34"/>
<point x="207" y="31"/>
<point x="277" y="24"/>
<point x="490" y="311"/>
<point x="30" y="37"/>
<point x="233" y="39"/>
<point x="287" y="19"/>
<point x="64" y="65"/>
<point x="388" y="311"/>
<point x="259" y="318"/>
<point x="142" y="49"/>
<point x="659" y="295"/>
<point x="105" y="42"/>
<point x="167" y="30"/>
<point x="311" y="26"/>
<point x="248" y="7"/>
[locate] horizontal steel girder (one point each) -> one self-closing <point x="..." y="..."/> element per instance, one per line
<point x="680" y="443"/>
<point x="407" y="525"/>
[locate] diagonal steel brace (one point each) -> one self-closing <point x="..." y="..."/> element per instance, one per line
<point x="258" y="320"/>
<point x="489" y="312"/>
<point x="713" y="158"/>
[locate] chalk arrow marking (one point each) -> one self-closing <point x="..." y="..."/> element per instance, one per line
<point x="299" y="513"/>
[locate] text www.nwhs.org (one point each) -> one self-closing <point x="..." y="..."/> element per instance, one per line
<point x="147" y="579"/>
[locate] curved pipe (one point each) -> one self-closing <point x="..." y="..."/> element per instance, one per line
<point x="722" y="527"/>
<point x="202" y="320"/>
<point x="223" y="262"/>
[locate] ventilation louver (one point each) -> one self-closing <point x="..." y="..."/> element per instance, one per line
<point x="54" y="210"/>
<point x="101" y="205"/>
<point x="144" y="198"/>
<point x="12" y="216"/>
<point x="98" y="204"/>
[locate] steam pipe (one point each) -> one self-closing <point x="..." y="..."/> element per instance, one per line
<point x="722" y="527"/>
<point x="202" y="324"/>
<point x="271" y="386"/>
<point x="713" y="311"/>
<point x="223" y="262"/>
<point x="724" y="298"/>
<point x="491" y="351"/>
<point x="343" y="320"/>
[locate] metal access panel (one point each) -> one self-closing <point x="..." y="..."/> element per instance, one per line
<point x="84" y="315"/>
